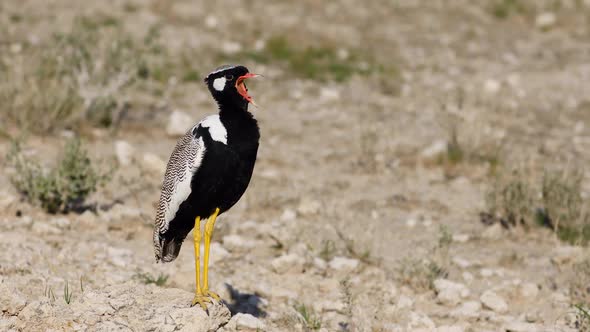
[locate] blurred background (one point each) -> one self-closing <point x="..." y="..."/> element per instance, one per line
<point x="422" y="163"/>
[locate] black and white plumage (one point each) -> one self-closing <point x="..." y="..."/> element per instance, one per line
<point x="211" y="165"/>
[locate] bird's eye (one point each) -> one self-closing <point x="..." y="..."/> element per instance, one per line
<point x="229" y="77"/>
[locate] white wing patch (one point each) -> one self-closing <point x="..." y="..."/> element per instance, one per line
<point x="182" y="188"/>
<point x="216" y="128"/>
<point x="219" y="83"/>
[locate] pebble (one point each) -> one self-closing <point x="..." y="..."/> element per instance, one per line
<point x="545" y="20"/>
<point x="319" y="263"/>
<point x="288" y="263"/>
<point x="461" y="262"/>
<point x="491" y="86"/>
<point x="178" y="124"/>
<point x="124" y="152"/>
<point x="434" y="150"/>
<point x="404" y="301"/>
<point x="42" y="228"/>
<point x="343" y="264"/>
<point x="236" y="243"/>
<point x="449" y="292"/>
<point x="461" y="238"/>
<point x="217" y="253"/>
<point x="288" y="215"/>
<point x="469" y="309"/>
<point x="529" y="290"/>
<point x="450" y="328"/>
<point x="420" y="320"/>
<point x="309" y="207"/>
<point x="520" y="327"/>
<point x="493" y="301"/>
<point x="246" y="322"/>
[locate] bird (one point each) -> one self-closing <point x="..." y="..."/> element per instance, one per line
<point x="207" y="173"/>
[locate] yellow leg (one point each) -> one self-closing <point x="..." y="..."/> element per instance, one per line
<point x="208" y="233"/>
<point x="200" y="298"/>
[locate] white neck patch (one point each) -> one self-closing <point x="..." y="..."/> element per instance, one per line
<point x="216" y="128"/>
<point x="219" y="83"/>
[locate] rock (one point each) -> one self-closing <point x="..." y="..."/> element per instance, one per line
<point x="124" y="152"/>
<point x="178" y="124"/>
<point x="467" y="276"/>
<point x="288" y="215"/>
<point x="493" y="301"/>
<point x="529" y="290"/>
<point x="43" y="228"/>
<point x="329" y="305"/>
<point x="343" y="264"/>
<point x="217" y="253"/>
<point x="461" y="238"/>
<point x="11" y="300"/>
<point x="309" y="207"/>
<point x="288" y="263"/>
<point x="319" y="263"/>
<point x="449" y="292"/>
<point x="329" y="94"/>
<point x="419" y="320"/>
<point x="450" y="328"/>
<point x="469" y="309"/>
<point x="153" y="163"/>
<point x="61" y="222"/>
<point x="404" y="301"/>
<point x="120" y="257"/>
<point x="545" y="20"/>
<point x="493" y="232"/>
<point x="434" y="150"/>
<point x="237" y="243"/>
<point x="491" y="86"/>
<point x="461" y="262"/>
<point x="244" y="322"/>
<point x="520" y="327"/>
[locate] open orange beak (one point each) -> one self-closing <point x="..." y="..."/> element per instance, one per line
<point x="242" y="90"/>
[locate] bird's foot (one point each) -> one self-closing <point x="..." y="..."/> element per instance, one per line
<point x="214" y="295"/>
<point x="202" y="300"/>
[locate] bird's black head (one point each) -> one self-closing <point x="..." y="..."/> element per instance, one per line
<point x="227" y="86"/>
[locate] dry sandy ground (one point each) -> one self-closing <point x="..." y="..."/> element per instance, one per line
<point x="344" y="169"/>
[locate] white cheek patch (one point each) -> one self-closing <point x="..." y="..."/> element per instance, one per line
<point x="219" y="84"/>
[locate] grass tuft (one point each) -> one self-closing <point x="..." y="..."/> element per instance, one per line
<point x="63" y="188"/>
<point x="308" y="317"/>
<point x="147" y="278"/>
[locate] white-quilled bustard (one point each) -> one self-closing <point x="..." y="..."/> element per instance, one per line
<point x="208" y="171"/>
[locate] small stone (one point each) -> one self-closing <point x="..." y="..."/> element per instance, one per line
<point x="329" y="94"/>
<point x="178" y="124"/>
<point x="491" y="86"/>
<point x="288" y="215"/>
<point x="461" y="262"/>
<point x="62" y="223"/>
<point x="411" y="223"/>
<point x="217" y="253"/>
<point x="211" y="21"/>
<point x="288" y="263"/>
<point x="319" y="263"/>
<point x="545" y="20"/>
<point x="449" y="292"/>
<point x="309" y="207"/>
<point x="486" y="273"/>
<point x="343" y="264"/>
<point x="11" y="300"/>
<point x="420" y="320"/>
<point x="467" y="276"/>
<point x="42" y="228"/>
<point x="153" y="163"/>
<point x="246" y="322"/>
<point x="236" y="243"/>
<point x="493" y="232"/>
<point x="450" y="328"/>
<point x="529" y="290"/>
<point x="493" y="301"/>
<point x="124" y="152"/>
<point x="434" y="150"/>
<point x="404" y="301"/>
<point x="469" y="309"/>
<point x="520" y="327"/>
<point x="461" y="238"/>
